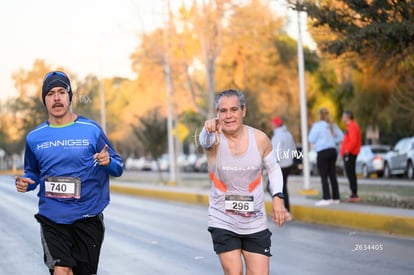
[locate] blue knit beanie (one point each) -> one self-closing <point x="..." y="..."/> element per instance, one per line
<point x="56" y="79"/>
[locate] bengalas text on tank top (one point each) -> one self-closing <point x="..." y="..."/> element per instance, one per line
<point x="236" y="194"/>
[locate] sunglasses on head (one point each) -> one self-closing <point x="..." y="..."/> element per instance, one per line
<point x="55" y="73"/>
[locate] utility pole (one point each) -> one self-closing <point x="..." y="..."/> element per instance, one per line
<point x="303" y="108"/>
<point x="167" y="72"/>
<point x="103" y="107"/>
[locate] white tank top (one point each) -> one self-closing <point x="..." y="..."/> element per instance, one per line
<point x="239" y="178"/>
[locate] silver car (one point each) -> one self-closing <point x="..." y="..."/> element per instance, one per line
<point x="399" y="160"/>
<point x="370" y="160"/>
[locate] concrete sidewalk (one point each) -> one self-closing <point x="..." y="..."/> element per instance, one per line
<point x="387" y="220"/>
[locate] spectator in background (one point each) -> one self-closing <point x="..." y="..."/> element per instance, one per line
<point x="325" y="135"/>
<point x="349" y="151"/>
<point x="284" y="146"/>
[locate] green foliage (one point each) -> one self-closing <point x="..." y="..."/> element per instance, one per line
<point x="258" y="57"/>
<point x="152" y="133"/>
<point x="86" y="100"/>
<point x="194" y="122"/>
<point x="4" y="137"/>
<point x="254" y="117"/>
<point x="31" y="112"/>
<point x="287" y="48"/>
<point x="311" y="60"/>
<point x="378" y="28"/>
<point x="402" y="105"/>
<point x="373" y="42"/>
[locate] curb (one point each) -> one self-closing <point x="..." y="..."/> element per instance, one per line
<point x="162" y="194"/>
<point x="393" y="225"/>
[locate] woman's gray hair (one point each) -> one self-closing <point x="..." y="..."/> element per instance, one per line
<point x="229" y="93"/>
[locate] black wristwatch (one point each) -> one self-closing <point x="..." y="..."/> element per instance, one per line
<point x="279" y="195"/>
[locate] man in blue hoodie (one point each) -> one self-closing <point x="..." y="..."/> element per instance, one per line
<point x="70" y="159"/>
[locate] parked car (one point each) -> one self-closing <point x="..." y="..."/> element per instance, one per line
<point x="399" y="160"/>
<point x="201" y="164"/>
<point x="141" y="164"/>
<point x="132" y="164"/>
<point x="187" y="162"/>
<point x="370" y="160"/>
<point x="183" y="162"/>
<point x="163" y="163"/>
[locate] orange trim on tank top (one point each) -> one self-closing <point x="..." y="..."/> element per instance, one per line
<point x="222" y="186"/>
<point x="255" y="183"/>
<point x="218" y="183"/>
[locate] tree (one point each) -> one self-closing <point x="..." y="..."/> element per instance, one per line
<point x="370" y="46"/>
<point x="193" y="121"/>
<point x="27" y="108"/>
<point x="4" y="135"/>
<point x="85" y="99"/>
<point x="260" y="58"/>
<point x="210" y="27"/>
<point x="379" y="28"/>
<point x="254" y="54"/>
<point x="152" y="133"/>
<point x="205" y="21"/>
<point x="401" y="109"/>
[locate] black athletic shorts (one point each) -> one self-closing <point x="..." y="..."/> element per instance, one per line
<point x="76" y="245"/>
<point x="225" y="240"/>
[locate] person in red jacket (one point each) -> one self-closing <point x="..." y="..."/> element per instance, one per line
<point x="349" y="151"/>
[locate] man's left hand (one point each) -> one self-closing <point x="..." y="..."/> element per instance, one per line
<point x="103" y="157"/>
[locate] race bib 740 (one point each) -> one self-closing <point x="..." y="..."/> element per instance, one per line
<point x="62" y="187"/>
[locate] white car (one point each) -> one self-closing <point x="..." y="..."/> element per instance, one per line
<point x="371" y="160"/>
<point x="141" y="164"/>
<point x="163" y="163"/>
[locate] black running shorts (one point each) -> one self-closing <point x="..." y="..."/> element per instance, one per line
<point x="225" y="240"/>
<point x="76" y="245"/>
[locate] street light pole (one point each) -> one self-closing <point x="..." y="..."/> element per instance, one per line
<point x="167" y="72"/>
<point x="103" y="107"/>
<point x="303" y="108"/>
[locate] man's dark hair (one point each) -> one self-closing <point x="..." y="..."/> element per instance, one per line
<point x="349" y="113"/>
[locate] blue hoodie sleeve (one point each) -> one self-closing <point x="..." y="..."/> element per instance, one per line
<point x="116" y="165"/>
<point x="31" y="168"/>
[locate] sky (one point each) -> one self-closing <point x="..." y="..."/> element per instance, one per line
<point x="83" y="36"/>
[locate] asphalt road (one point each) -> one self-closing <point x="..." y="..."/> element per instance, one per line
<point x="145" y="236"/>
